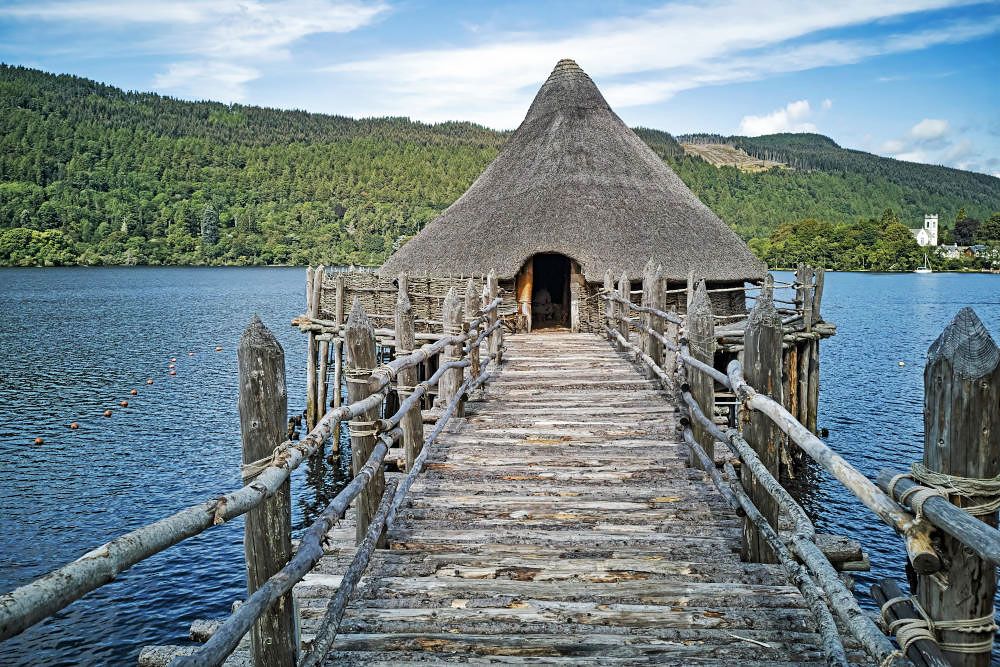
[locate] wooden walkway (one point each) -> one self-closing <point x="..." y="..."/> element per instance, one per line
<point x="558" y="523"/>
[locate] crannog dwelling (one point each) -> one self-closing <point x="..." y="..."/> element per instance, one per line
<point x="574" y="193"/>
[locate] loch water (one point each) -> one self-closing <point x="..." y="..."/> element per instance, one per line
<point x="75" y="341"/>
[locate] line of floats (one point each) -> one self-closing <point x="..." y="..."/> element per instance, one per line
<point x="171" y="370"/>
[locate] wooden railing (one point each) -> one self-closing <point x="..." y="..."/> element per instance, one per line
<point x="273" y="567"/>
<point x="962" y="424"/>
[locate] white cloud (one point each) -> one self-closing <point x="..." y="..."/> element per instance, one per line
<point x="827" y="104"/>
<point x="223" y="43"/>
<point x="929" y="128"/>
<point x="789" y="119"/>
<point x="673" y="48"/>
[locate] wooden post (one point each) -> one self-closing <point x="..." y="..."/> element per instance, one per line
<point x="338" y="356"/>
<point x="267" y="543"/>
<point x="359" y="340"/>
<point x="473" y="302"/>
<point x="412" y="423"/>
<point x="451" y="316"/>
<point x="652" y="346"/>
<point x="496" y="338"/>
<point x="609" y="305"/>
<point x="670" y="356"/>
<point x="624" y="291"/>
<point x="690" y="289"/>
<point x="700" y="334"/>
<point x="762" y="370"/>
<point x="812" y="399"/>
<point x="311" y="353"/>
<point x="962" y="439"/>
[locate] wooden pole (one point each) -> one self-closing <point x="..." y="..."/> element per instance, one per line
<point x="609" y="305"/>
<point x="263" y="406"/>
<point x="338" y="356"/>
<point x="652" y="297"/>
<point x="812" y="399"/>
<point x="451" y="316"/>
<point x="311" y="353"/>
<point x="496" y="338"/>
<point x="359" y="340"/>
<point x="473" y="302"/>
<point x="690" y="288"/>
<point x="624" y="289"/>
<point x="412" y="423"/>
<point x="962" y="439"/>
<point x="762" y="368"/>
<point x="700" y="334"/>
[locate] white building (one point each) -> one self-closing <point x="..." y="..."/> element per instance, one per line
<point x="928" y="235"/>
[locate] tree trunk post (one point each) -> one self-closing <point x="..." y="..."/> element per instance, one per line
<point x="496" y="338"/>
<point x="813" y="398"/>
<point x="338" y="356"/>
<point x="700" y="333"/>
<point x="311" y="353"/>
<point x="651" y="298"/>
<point x="473" y="302"/>
<point x="451" y="316"/>
<point x="762" y="370"/>
<point x="359" y="340"/>
<point x="672" y="334"/>
<point x="624" y="291"/>
<point x="267" y="543"/>
<point x="962" y="439"/>
<point x="412" y="422"/>
<point x="609" y="305"/>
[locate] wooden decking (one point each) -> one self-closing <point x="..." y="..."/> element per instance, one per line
<point x="558" y="523"/>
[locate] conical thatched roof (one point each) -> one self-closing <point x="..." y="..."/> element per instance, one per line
<point x="574" y="179"/>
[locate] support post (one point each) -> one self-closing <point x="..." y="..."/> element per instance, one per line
<point x="812" y="399"/>
<point x="762" y="370"/>
<point x="263" y="406"/>
<point x="473" y="303"/>
<point x="652" y="292"/>
<point x="311" y="352"/>
<point x="360" y="342"/>
<point x="496" y="338"/>
<point x="700" y="334"/>
<point x="672" y="334"/>
<point x="624" y="291"/>
<point x="338" y="356"/>
<point x="451" y="316"/>
<point x="962" y="439"/>
<point x="609" y="305"/>
<point x="690" y="288"/>
<point x="412" y="423"/>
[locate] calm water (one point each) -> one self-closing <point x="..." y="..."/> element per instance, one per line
<point x="74" y="342"/>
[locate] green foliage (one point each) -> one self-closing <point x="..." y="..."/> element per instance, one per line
<point x="92" y="174"/>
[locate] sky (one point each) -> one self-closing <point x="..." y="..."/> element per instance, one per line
<point x="916" y="80"/>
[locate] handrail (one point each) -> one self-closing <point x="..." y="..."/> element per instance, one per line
<point x="662" y="314"/>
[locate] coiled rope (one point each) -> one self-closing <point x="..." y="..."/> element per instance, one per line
<point x="910" y="630"/>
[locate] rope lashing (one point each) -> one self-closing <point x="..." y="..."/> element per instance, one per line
<point x="916" y="496"/>
<point x="251" y="470"/>
<point x="910" y="630"/>
<point x="358" y="375"/>
<point x="361" y="429"/>
<point x="931" y="483"/>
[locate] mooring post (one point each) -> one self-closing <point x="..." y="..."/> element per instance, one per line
<point x="672" y="334"/>
<point x="338" y="355"/>
<point x="812" y="399"/>
<point x="473" y="303"/>
<point x="962" y="444"/>
<point x="700" y="333"/>
<point x="451" y="317"/>
<point x="267" y="543"/>
<point x="311" y="352"/>
<point x="624" y="292"/>
<point x="609" y="305"/>
<point x="412" y="423"/>
<point x="652" y="297"/>
<point x="323" y="351"/>
<point x="804" y="345"/>
<point x="762" y="370"/>
<point x="496" y="338"/>
<point x="360" y="342"/>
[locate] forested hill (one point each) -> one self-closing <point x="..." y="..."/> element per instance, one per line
<point x="93" y="174"/>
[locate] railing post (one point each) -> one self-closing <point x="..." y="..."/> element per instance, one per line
<point x="700" y="334"/>
<point x="359" y="340"/>
<point x="812" y="398"/>
<point x="652" y="295"/>
<point x="672" y="334"/>
<point x="473" y="302"/>
<point x="624" y="291"/>
<point x="496" y="338"/>
<point x="263" y="406"/>
<point x="311" y="352"/>
<point x="451" y="316"/>
<point x="962" y="440"/>
<point x="762" y="371"/>
<point x="412" y="422"/>
<point x="609" y="305"/>
<point x="338" y="356"/>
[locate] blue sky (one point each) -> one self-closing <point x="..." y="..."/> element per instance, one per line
<point x="913" y="79"/>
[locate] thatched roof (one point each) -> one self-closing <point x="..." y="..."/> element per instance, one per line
<point x="574" y="179"/>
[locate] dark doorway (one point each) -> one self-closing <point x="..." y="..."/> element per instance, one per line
<point x="550" y="298"/>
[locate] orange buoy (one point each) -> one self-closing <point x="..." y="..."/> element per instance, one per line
<point x="173" y="359"/>
<point x="74" y="425"/>
<point x="107" y="413"/>
<point x="134" y="392"/>
<point x="172" y="366"/>
<point x="173" y="372"/>
<point x="218" y="348"/>
<point x="149" y="381"/>
<point x="39" y="441"/>
<point x="124" y="404"/>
